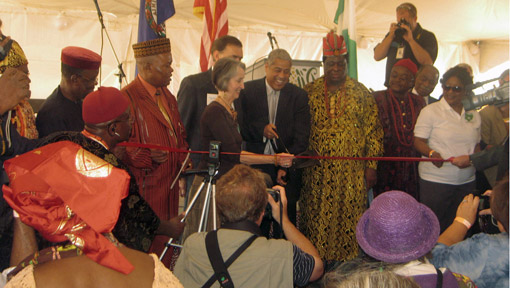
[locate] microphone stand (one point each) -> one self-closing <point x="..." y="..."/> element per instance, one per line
<point x="270" y="40"/>
<point x="103" y="29"/>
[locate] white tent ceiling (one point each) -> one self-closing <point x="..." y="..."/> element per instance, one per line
<point x="457" y="20"/>
<point x="472" y="31"/>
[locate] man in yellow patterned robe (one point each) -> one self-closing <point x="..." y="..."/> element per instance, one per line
<point x="344" y="123"/>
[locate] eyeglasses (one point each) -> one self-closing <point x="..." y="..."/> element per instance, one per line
<point x="89" y="80"/>
<point x="452" y="88"/>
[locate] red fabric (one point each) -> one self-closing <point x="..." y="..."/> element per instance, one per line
<point x="215" y="25"/>
<point x="47" y="181"/>
<point x="408" y="64"/>
<point x="103" y="105"/>
<point x="151" y="127"/>
<point x="80" y="58"/>
<point x="333" y="45"/>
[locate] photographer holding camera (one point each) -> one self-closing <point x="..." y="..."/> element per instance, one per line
<point x="406" y="40"/>
<point x="241" y="198"/>
<point x="483" y="257"/>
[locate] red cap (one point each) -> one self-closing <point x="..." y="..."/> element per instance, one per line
<point x="103" y="105"/>
<point x="80" y="58"/>
<point x="333" y="45"/>
<point x="408" y="64"/>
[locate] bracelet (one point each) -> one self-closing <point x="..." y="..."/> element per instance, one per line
<point x="463" y="221"/>
<point x="431" y="152"/>
<point x="275" y="160"/>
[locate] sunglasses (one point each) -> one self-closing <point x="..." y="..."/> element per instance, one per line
<point x="452" y="88"/>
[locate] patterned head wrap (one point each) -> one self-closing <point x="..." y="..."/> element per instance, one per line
<point x="15" y="57"/>
<point x="333" y="45"/>
<point x="67" y="193"/>
<point x="151" y="47"/>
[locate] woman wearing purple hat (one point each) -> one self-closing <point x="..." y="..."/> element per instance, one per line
<point x="398" y="229"/>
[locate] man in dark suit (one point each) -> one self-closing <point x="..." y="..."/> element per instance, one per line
<point x="275" y="110"/>
<point x="426" y="80"/>
<point x="197" y="91"/>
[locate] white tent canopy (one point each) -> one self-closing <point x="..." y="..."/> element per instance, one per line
<point x="471" y="31"/>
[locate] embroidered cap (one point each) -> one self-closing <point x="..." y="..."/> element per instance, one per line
<point x="80" y="58"/>
<point x="407" y="64"/>
<point x="152" y="47"/>
<point x="333" y="45"/>
<point x="103" y="105"/>
<point x="397" y="228"/>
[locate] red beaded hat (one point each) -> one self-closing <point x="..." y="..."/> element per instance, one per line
<point x="333" y="45"/>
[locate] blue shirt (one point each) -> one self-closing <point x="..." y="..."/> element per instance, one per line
<point x="483" y="258"/>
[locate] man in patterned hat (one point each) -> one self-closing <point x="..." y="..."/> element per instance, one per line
<point x="62" y="109"/>
<point x="344" y="123"/>
<point x="157" y="121"/>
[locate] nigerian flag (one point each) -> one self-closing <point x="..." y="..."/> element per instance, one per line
<point x="346" y="19"/>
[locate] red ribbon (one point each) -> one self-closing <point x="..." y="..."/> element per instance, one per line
<point x="402" y="159"/>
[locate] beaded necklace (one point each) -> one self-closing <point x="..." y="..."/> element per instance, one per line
<point x="331" y="103"/>
<point x="400" y="128"/>
<point x="229" y="108"/>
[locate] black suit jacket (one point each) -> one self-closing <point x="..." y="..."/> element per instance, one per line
<point x="191" y="102"/>
<point x="292" y="116"/>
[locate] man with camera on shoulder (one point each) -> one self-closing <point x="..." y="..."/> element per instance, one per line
<point x="236" y="254"/>
<point x="406" y="40"/>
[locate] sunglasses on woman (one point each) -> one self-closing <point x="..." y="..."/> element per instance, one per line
<point x="453" y="88"/>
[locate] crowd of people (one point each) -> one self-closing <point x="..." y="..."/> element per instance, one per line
<point x="79" y="201"/>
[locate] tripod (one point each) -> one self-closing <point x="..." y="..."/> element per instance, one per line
<point x="210" y="180"/>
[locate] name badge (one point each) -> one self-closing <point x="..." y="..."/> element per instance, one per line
<point x="211" y="97"/>
<point x="400" y="52"/>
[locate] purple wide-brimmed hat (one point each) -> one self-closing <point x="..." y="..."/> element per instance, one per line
<point x="397" y="229"/>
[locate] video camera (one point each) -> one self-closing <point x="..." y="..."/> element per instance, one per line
<point x="496" y="96"/>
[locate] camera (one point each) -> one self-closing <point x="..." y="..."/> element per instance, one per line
<point x="401" y="31"/>
<point x="276" y="197"/>
<point x="485" y="221"/>
<point x="496" y="96"/>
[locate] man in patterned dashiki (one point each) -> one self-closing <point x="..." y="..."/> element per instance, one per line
<point x="344" y="123"/>
<point x="398" y="110"/>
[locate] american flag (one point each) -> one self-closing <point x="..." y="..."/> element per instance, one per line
<point x="214" y="14"/>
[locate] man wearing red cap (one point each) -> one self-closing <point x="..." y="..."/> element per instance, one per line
<point x="108" y="122"/>
<point x="62" y="110"/>
<point x="344" y="123"/>
<point x="398" y="110"/>
<point x="156" y="121"/>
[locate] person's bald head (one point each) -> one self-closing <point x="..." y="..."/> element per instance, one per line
<point x="426" y="80"/>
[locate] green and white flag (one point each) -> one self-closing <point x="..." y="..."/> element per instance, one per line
<point x="345" y="18"/>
